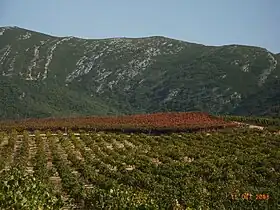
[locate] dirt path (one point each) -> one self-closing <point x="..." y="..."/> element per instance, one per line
<point x="53" y="134"/>
<point x="250" y="125"/>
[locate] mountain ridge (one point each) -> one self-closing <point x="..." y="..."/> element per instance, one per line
<point x="140" y="37"/>
<point x="65" y="76"/>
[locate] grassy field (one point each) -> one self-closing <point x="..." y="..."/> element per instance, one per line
<point x="230" y="169"/>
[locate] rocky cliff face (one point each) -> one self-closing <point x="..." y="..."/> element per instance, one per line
<point x="43" y="76"/>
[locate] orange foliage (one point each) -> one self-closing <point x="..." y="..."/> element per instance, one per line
<point x="157" y="121"/>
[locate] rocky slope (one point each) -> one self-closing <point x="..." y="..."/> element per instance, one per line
<point x="43" y="76"/>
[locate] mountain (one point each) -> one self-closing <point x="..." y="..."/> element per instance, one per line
<point x="47" y="76"/>
<point x="265" y="102"/>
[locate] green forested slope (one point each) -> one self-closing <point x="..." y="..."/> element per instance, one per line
<point x="44" y="76"/>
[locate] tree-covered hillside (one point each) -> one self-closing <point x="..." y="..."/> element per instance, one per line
<point x="43" y="76"/>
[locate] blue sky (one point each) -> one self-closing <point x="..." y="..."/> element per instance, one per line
<point x="211" y="22"/>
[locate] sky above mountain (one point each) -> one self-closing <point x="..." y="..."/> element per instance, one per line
<point x="216" y="22"/>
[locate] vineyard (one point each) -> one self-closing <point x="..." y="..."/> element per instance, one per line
<point x="157" y="122"/>
<point x="261" y="121"/>
<point x="233" y="169"/>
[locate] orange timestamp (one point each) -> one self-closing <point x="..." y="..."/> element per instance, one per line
<point x="249" y="196"/>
